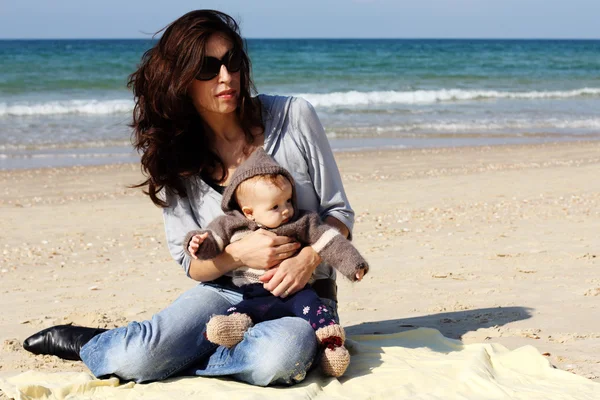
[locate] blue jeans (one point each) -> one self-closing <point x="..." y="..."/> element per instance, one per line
<point x="173" y="343"/>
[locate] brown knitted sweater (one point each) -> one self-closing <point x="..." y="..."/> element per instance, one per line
<point x="305" y="226"/>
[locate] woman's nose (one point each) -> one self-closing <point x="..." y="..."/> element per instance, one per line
<point x="224" y="75"/>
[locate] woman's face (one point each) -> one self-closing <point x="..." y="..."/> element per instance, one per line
<point x="220" y="94"/>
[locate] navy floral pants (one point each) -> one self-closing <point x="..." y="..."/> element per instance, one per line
<point x="261" y="305"/>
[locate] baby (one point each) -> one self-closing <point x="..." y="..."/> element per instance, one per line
<point x="262" y="195"/>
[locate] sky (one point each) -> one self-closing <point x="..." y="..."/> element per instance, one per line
<point x="46" y="19"/>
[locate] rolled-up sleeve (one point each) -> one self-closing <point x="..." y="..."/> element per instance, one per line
<point x="179" y="220"/>
<point x="322" y="167"/>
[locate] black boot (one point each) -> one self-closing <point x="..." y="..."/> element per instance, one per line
<point x="63" y="341"/>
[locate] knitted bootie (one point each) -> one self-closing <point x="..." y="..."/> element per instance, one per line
<point x="331" y="331"/>
<point x="335" y="361"/>
<point x="227" y="330"/>
<point x="336" y="357"/>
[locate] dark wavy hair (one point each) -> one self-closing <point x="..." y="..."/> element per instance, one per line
<point x="167" y="129"/>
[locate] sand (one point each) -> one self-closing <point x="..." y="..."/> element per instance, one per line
<point x="486" y="244"/>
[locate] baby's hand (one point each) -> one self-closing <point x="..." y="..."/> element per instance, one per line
<point x="195" y="244"/>
<point x="360" y="274"/>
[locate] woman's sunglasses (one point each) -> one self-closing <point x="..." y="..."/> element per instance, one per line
<point x="232" y="60"/>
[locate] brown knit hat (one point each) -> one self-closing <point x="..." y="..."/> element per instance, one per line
<point x="259" y="163"/>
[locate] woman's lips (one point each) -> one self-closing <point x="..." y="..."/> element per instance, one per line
<point x="226" y="94"/>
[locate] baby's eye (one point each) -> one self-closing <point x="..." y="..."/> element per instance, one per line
<point x="275" y="208"/>
<point x="289" y="201"/>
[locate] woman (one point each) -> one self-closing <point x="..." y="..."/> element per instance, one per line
<point x="194" y="122"/>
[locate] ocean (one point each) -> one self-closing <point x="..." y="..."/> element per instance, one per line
<point x="65" y="102"/>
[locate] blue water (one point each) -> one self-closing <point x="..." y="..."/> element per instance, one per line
<point x="65" y="102"/>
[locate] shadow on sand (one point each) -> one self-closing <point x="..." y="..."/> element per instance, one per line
<point x="451" y="324"/>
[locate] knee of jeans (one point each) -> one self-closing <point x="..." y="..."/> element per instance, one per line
<point x="139" y="360"/>
<point x="141" y="366"/>
<point x="286" y="357"/>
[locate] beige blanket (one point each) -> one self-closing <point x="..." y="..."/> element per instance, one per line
<point x="417" y="364"/>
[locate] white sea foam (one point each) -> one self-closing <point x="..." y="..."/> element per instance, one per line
<point x="515" y="126"/>
<point x="568" y="126"/>
<point x="518" y="125"/>
<point x="93" y="107"/>
<point x="588" y="123"/>
<point x="354" y="98"/>
<point x="335" y="99"/>
<point x="33" y="146"/>
<point x="67" y="155"/>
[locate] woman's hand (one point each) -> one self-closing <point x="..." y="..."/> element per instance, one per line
<point x="262" y="249"/>
<point x="292" y="274"/>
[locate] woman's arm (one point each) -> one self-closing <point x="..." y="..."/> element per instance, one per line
<point x="178" y="220"/>
<point x="293" y="273"/>
<point x="339" y="225"/>
<point x="260" y="249"/>
<point x="208" y="270"/>
<point x="322" y="167"/>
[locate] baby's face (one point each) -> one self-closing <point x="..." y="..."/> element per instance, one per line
<point x="272" y="206"/>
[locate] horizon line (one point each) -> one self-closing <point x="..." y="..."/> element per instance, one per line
<point x="322" y="38"/>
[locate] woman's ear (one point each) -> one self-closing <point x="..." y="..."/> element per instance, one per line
<point x="248" y="212"/>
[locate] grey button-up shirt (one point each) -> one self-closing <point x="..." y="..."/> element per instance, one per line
<point x="295" y="138"/>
